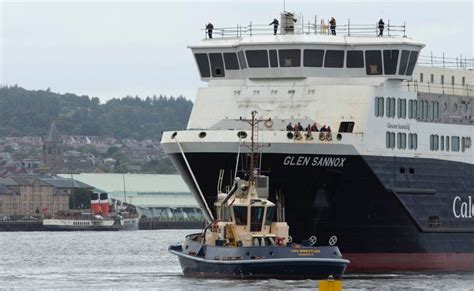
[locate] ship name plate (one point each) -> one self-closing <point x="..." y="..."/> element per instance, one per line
<point x="317" y="161"/>
<point x="398" y="126"/>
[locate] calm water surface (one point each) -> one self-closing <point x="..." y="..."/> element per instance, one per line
<point x="140" y="260"/>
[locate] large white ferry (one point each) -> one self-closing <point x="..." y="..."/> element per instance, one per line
<point x="392" y="184"/>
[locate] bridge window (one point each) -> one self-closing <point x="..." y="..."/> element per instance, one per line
<point x="373" y="62"/>
<point x="421" y="77"/>
<point x="256" y="218"/>
<point x="355" y="59"/>
<point x="412" y="63"/>
<point x="452" y="80"/>
<point x="447" y="143"/>
<point x="390" y="61"/>
<point x="455" y="143"/>
<point x="231" y="62"/>
<point x="203" y="65"/>
<point x="240" y="214"/>
<point x="403" y="62"/>
<point x="463" y="81"/>
<point x="257" y="58"/>
<point x="313" y="58"/>
<point x="412" y="141"/>
<point x="441" y="143"/>
<point x="242" y="62"/>
<point x="217" y="65"/>
<point x="379" y="106"/>
<point x="290" y="58"/>
<point x="273" y="59"/>
<point x="334" y="59"/>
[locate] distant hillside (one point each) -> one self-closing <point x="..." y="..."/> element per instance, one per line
<point x="24" y="112"/>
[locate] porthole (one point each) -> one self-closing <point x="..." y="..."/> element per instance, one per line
<point x="271" y="253"/>
<point x="202" y="134"/>
<point x="339" y="136"/>
<point x="174" y="135"/>
<point x="242" y="134"/>
<point x="445" y="107"/>
<point x="455" y="107"/>
<point x="465" y="107"/>
<point x="289" y="135"/>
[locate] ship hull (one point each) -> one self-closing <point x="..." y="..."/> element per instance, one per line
<point x="387" y="213"/>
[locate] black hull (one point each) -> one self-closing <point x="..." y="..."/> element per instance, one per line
<point x="373" y="205"/>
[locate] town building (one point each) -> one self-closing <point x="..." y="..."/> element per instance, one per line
<point x="32" y="195"/>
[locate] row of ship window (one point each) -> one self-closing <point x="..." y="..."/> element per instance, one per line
<point x="437" y="143"/>
<point x="213" y="64"/>
<point x="442" y="143"/>
<point x="429" y="110"/>
<point x="401" y="140"/>
<point x="453" y="79"/>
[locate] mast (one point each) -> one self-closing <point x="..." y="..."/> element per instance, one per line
<point x="253" y="146"/>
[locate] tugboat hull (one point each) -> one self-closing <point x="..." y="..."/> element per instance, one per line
<point x="277" y="262"/>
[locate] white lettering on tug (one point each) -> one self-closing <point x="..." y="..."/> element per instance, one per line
<point x="463" y="209"/>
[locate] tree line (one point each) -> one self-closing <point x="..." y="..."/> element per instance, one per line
<point x="31" y="112"/>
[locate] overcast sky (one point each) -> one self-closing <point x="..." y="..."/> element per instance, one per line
<point x="116" y="48"/>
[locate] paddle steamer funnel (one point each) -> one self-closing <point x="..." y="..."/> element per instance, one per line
<point x="391" y="184"/>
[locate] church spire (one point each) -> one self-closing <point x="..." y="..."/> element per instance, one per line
<point x="53" y="134"/>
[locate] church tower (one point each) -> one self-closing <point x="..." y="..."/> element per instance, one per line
<point x="53" y="151"/>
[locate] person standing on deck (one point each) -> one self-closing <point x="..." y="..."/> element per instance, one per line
<point x="275" y="25"/>
<point x="209" y="28"/>
<point x="381" y="27"/>
<point x="332" y="24"/>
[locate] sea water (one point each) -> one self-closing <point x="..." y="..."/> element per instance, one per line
<point x="140" y="260"/>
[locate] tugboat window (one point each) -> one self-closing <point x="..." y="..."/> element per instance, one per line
<point x="373" y="62"/>
<point x="240" y="214"/>
<point x="290" y="58"/>
<point x="412" y="63"/>
<point x="231" y="62"/>
<point x="313" y="58"/>
<point x="203" y="65"/>
<point x="355" y="59"/>
<point x="257" y="58"/>
<point x="269" y="216"/>
<point x="334" y="59"/>
<point x="390" y="60"/>
<point x="404" y="62"/>
<point x="217" y="65"/>
<point x="273" y="59"/>
<point x="256" y="218"/>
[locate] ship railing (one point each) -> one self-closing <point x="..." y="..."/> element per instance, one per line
<point x="447" y="88"/>
<point x="458" y="62"/>
<point x="346" y="29"/>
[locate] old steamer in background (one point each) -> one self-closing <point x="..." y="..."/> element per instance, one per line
<point x="393" y="182"/>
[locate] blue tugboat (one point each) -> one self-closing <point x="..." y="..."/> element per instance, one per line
<point x="246" y="242"/>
